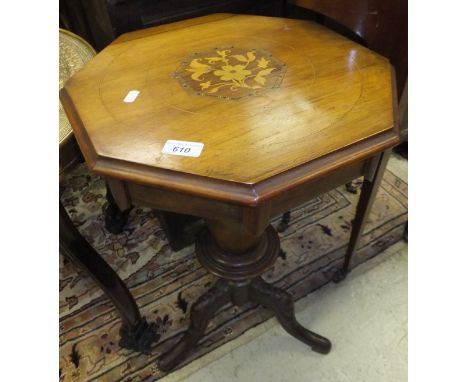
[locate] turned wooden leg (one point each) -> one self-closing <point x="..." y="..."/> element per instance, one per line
<point x="200" y="314"/>
<point x="115" y="218"/>
<point x="284" y="223"/>
<point x="369" y="190"/>
<point x="136" y="334"/>
<point x="282" y="304"/>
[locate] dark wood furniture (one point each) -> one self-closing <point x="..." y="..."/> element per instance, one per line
<point x="286" y="110"/>
<point x="101" y="21"/>
<point x="381" y="25"/>
<point x="128" y="15"/>
<point x="89" y="19"/>
<point x="136" y="333"/>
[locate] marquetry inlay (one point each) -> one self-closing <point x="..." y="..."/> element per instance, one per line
<point x="230" y="73"/>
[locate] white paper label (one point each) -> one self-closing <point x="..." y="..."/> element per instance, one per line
<point x="131" y="96"/>
<point x="184" y="148"/>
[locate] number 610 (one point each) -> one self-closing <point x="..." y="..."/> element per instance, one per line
<point x="178" y="149"/>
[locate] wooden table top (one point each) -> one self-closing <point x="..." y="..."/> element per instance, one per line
<point x="274" y="101"/>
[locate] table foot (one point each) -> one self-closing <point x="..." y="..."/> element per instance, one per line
<point x="282" y="304"/>
<point x="139" y="337"/>
<point x="200" y="314"/>
<point x="339" y="275"/>
<point x="115" y="219"/>
<point x="284" y="222"/>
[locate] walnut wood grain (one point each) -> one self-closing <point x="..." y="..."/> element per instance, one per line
<point x="381" y="24"/>
<point x="329" y="121"/>
<point x="301" y="130"/>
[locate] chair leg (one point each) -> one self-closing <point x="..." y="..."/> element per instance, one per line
<point x="368" y="193"/>
<point x="136" y="334"/>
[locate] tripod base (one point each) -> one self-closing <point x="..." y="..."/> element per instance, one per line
<point x="239" y="291"/>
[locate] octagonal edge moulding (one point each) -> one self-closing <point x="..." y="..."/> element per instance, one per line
<point x="230" y="73"/>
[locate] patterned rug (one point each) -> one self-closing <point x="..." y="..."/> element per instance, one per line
<point x="165" y="284"/>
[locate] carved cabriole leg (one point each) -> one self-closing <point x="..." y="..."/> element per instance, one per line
<point x="200" y="315"/>
<point x="282" y="304"/>
<point x="369" y="190"/>
<point x="136" y="334"/>
<point x="118" y="206"/>
<point x="239" y="283"/>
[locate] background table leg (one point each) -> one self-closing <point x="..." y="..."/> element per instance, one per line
<point x="115" y="217"/>
<point x="368" y="192"/>
<point x="181" y="230"/>
<point x="136" y="334"/>
<point x="284" y="222"/>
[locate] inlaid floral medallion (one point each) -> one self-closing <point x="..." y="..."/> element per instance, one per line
<point x="230" y="73"/>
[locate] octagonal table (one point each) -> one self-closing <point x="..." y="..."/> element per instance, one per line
<point x="235" y="119"/>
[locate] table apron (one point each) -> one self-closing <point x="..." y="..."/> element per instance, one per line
<point x="129" y="193"/>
